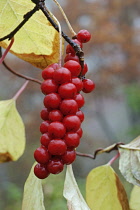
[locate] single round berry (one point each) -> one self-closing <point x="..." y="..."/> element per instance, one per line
<point x="44" y="126"/>
<point x="52" y="100"/>
<point x="71" y="57"/>
<point x="78" y="83"/>
<point x="40" y="171"/>
<point x="80" y="132"/>
<point x="74" y="67"/>
<point x="56" y="130"/>
<point x="44" y="114"/>
<point x="54" y="66"/>
<point x="41" y="155"/>
<point x="69" y="157"/>
<point x="70" y="49"/>
<point x="67" y="90"/>
<point x="72" y="123"/>
<point x="55" y="166"/>
<point x="83" y="36"/>
<point x="80" y="114"/>
<point x="47" y="73"/>
<point x="55" y="115"/>
<point x="49" y="86"/>
<point x="62" y="75"/>
<point x="72" y="139"/>
<point x="45" y="139"/>
<point x="88" y="85"/>
<point x="80" y="100"/>
<point x="68" y="106"/>
<point x="57" y="147"/>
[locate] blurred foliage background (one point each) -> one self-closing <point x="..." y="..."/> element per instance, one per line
<point x="112" y="111"/>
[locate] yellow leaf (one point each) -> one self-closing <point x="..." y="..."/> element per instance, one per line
<point x="75" y="200"/>
<point x="12" y="132"/>
<point x="135" y="198"/>
<point x="37" y="41"/>
<point x="33" y="198"/>
<point x="104" y="190"/>
<point x="133" y="145"/>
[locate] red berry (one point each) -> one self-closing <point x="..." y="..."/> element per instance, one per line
<point x="40" y="171"/>
<point x="55" y="115"/>
<point x="54" y="66"/>
<point x="55" y="166"/>
<point x="70" y="49"/>
<point x="44" y="114"/>
<point x="80" y="100"/>
<point x="71" y="57"/>
<point x="57" y="147"/>
<point x="80" y="114"/>
<point x="83" y="36"/>
<point x="85" y="69"/>
<point x="68" y="106"/>
<point x="69" y="157"/>
<point x="52" y="100"/>
<point x="74" y="67"/>
<point x="88" y="85"/>
<point x="72" y="123"/>
<point x="41" y="155"/>
<point x="44" y="126"/>
<point x="80" y="132"/>
<point x="62" y="75"/>
<point x="56" y="130"/>
<point x="67" y="90"/>
<point x="72" y="139"/>
<point x="78" y="83"/>
<point x="49" y="86"/>
<point x="45" y="139"/>
<point x="47" y="73"/>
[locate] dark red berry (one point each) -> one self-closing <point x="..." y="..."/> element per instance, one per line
<point x="71" y="57"/>
<point x="85" y="69"/>
<point x="55" y="115"/>
<point x="80" y="100"/>
<point x="67" y="90"/>
<point x="45" y="139"/>
<point x="69" y="157"/>
<point x="55" y="166"/>
<point x="72" y="139"/>
<point x="49" y="86"/>
<point x="70" y="49"/>
<point x="83" y="36"/>
<point x="62" y="75"/>
<point x="72" y="123"/>
<point x="44" y="126"/>
<point x="52" y="100"/>
<point x="68" y="106"/>
<point x="54" y="66"/>
<point x="44" y="114"/>
<point x="80" y="132"/>
<point x="78" y="83"/>
<point x="57" y="147"/>
<point x="41" y="155"/>
<point x="41" y="171"/>
<point x="47" y="73"/>
<point x="80" y="114"/>
<point x="88" y="85"/>
<point x="74" y="67"/>
<point x="56" y="130"/>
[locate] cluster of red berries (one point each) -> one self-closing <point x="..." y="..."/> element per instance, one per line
<point x="62" y="117"/>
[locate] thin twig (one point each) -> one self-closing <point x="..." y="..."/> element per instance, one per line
<point x="113" y="159"/>
<point x="6" y="51"/>
<point x="20" y="90"/>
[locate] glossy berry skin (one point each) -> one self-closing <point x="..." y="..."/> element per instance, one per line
<point x="78" y="83"/>
<point x="41" y="171"/>
<point x="67" y="90"/>
<point x="45" y="139"/>
<point x="41" y="155"/>
<point x="70" y="49"/>
<point x="80" y="132"/>
<point x="69" y="157"/>
<point x="85" y="69"/>
<point x="44" y="114"/>
<point x="74" y="67"/>
<point x="72" y="140"/>
<point x="83" y="36"/>
<point x="72" y="123"/>
<point x="88" y="86"/>
<point x="80" y="100"/>
<point x="54" y="66"/>
<point x="52" y="101"/>
<point x="69" y="56"/>
<point x="80" y="114"/>
<point x="55" y="115"/>
<point x="56" y="130"/>
<point x="47" y="73"/>
<point x="62" y="75"/>
<point x="69" y="106"/>
<point x="57" y="147"/>
<point x="55" y="166"/>
<point x="44" y="126"/>
<point x="49" y="86"/>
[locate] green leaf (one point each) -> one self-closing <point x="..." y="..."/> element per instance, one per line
<point x="12" y="132"/>
<point x="129" y="162"/>
<point x="135" y="198"/>
<point x="37" y="41"/>
<point x="33" y="198"/>
<point x="104" y="191"/>
<point x="75" y="200"/>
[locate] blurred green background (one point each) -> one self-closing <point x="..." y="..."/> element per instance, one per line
<point x="112" y="111"/>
